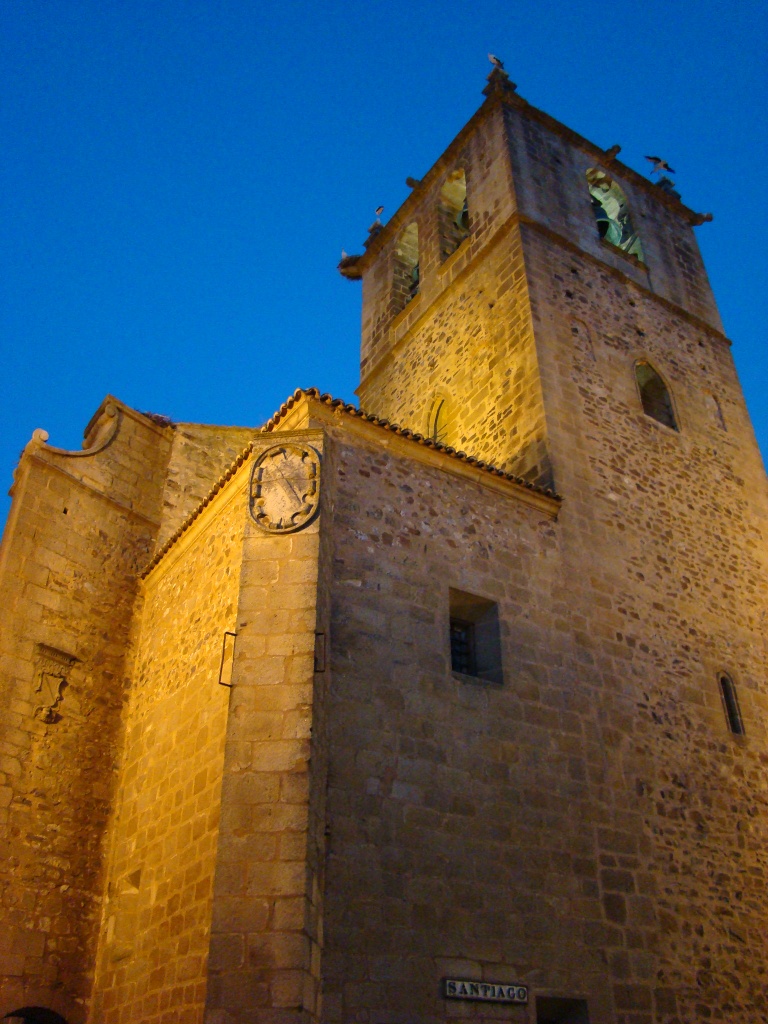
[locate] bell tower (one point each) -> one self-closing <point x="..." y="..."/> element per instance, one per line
<point x="473" y="294"/>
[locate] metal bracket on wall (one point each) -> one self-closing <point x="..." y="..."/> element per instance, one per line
<point x="223" y="656"/>
<point x="319" y="652"/>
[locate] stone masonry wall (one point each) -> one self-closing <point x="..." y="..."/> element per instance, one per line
<point x="80" y="526"/>
<point x="467" y="336"/>
<point x="590" y="828"/>
<point x="153" y="947"/>
<point x="664" y="536"/>
<point x="267" y="915"/>
<point x="464" y="818"/>
<point x="549" y="166"/>
<point x="199" y="455"/>
<point x="473" y="346"/>
<point x="482" y="156"/>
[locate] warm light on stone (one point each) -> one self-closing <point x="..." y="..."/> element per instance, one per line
<point x="562" y="809"/>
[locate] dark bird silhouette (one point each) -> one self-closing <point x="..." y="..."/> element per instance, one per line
<point x="659" y="165"/>
<point x="496" y="62"/>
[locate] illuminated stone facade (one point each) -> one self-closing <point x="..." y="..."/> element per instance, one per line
<point x="245" y="777"/>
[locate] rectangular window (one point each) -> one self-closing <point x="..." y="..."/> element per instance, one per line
<point x="475" y="636"/>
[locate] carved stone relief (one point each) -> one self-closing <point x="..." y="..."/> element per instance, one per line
<point x="51" y="678"/>
<point x="285" y="487"/>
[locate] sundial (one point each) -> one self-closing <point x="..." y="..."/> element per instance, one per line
<point x="285" y="487"/>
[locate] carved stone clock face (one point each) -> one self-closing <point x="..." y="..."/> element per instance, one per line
<point x="285" y="487"/>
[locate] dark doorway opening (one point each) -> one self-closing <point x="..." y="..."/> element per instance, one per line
<point x="550" y="1010"/>
<point x="34" y="1015"/>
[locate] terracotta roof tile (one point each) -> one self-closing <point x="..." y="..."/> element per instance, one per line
<point x="349" y="410"/>
<point x="428" y="442"/>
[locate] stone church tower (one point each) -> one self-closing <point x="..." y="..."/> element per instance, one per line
<point x="451" y="706"/>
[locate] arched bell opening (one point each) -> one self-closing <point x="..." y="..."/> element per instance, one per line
<point x="453" y="212"/>
<point x="406" y="277"/>
<point x="611" y="210"/>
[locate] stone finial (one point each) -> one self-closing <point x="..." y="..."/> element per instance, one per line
<point x="667" y="185"/>
<point x="612" y="153"/>
<point x="373" y="231"/>
<point x="38" y="439"/>
<point x="701" y="218"/>
<point x="499" y="84"/>
<point x="412" y="182"/>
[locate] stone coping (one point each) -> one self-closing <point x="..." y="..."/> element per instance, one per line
<point x="338" y="406"/>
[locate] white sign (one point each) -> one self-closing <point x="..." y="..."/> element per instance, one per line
<point x="485" y="991"/>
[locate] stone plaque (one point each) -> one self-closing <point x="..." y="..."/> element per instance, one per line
<point x="285" y="487"/>
<point x="485" y="991"/>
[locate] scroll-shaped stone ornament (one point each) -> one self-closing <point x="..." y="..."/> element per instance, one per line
<point x="285" y="487"/>
<point x="53" y="668"/>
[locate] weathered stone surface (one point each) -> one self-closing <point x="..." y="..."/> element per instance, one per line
<point x="351" y="821"/>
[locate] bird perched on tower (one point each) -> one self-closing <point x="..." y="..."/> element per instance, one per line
<point x="496" y="62"/>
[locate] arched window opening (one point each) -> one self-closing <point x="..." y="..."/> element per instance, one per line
<point x="453" y="213"/>
<point x="406" y="273"/>
<point x="611" y="210"/>
<point x="731" y="705"/>
<point x="34" y="1015"/>
<point x="438" y="420"/>
<point x="654" y="395"/>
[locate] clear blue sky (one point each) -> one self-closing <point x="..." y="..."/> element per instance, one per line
<point x="179" y="178"/>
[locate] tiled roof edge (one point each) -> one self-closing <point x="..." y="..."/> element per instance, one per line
<point x="349" y="410"/>
<point x="428" y="442"/>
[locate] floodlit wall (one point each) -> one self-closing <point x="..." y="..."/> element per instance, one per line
<point x="80" y="527"/>
<point x="467" y="334"/>
<point x="155" y="931"/>
<point x="266" y="939"/>
<point x="666" y="575"/>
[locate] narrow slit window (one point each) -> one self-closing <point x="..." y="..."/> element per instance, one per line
<point x="475" y="637"/>
<point x="453" y="213"/>
<point x="731" y="705"/>
<point x="611" y="210"/>
<point x="654" y="395"/>
<point x="406" y="277"/>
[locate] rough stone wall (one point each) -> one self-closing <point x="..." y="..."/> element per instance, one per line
<point x="463" y="817"/>
<point x="482" y="156"/>
<point x="664" y="536"/>
<point x="199" y="456"/>
<point x="153" y="947"/>
<point x="590" y="828"/>
<point x="80" y="526"/>
<point x="475" y="347"/>
<point x="467" y="335"/>
<point x="549" y="165"/>
<point x="267" y="928"/>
